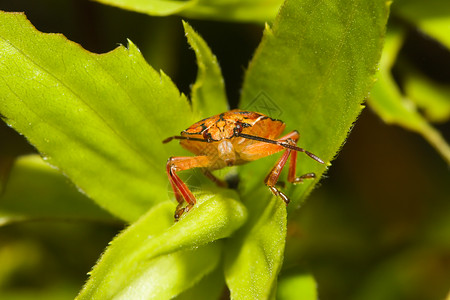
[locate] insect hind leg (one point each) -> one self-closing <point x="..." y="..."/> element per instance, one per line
<point x="213" y="178"/>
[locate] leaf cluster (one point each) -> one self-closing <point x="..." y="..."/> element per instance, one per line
<point x="98" y="119"/>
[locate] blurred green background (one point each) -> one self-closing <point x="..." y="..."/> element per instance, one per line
<point x="378" y="227"/>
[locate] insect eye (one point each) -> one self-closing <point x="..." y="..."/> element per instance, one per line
<point x="206" y="135"/>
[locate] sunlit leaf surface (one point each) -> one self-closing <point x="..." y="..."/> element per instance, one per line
<point x="313" y="70"/>
<point x="156" y="258"/>
<point x="100" y="119"/>
<point x="229" y="10"/>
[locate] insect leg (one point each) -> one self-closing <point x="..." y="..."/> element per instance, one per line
<point x="214" y="179"/>
<point x="182" y="192"/>
<point x="292" y="167"/>
<point x="294" y="136"/>
<point x="177" y="137"/>
<point x="274" y="174"/>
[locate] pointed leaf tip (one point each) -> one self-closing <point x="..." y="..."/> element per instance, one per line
<point x="208" y="92"/>
<point x="54" y="85"/>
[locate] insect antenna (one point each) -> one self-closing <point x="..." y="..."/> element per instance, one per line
<point x="285" y="145"/>
<point x="178" y="137"/>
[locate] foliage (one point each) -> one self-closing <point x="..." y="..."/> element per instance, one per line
<point x="420" y="92"/>
<point x="248" y="10"/>
<point x="99" y="119"/>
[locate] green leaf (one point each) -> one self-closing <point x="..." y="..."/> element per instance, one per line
<point x="48" y="195"/>
<point x="210" y="287"/>
<point x="431" y="17"/>
<point x="227" y="10"/>
<point x="388" y="102"/>
<point x="208" y="93"/>
<point x="157" y="259"/>
<point x="297" y="286"/>
<point x="239" y="11"/>
<point x="431" y="97"/>
<point x="255" y="254"/>
<point x="213" y="217"/>
<point x="99" y="118"/>
<point x="152" y="7"/>
<point x="313" y="70"/>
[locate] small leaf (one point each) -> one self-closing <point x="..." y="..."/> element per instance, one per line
<point x="208" y="92"/>
<point x="431" y="17"/>
<point x="313" y="70"/>
<point x="297" y="286"/>
<point x="255" y="254"/>
<point x="388" y="102"/>
<point x="157" y="259"/>
<point x="162" y="277"/>
<point x="99" y="118"/>
<point x="431" y="97"/>
<point x="48" y="195"/>
<point x="215" y="216"/>
<point x="238" y="11"/>
<point x="229" y="10"/>
<point x="152" y="7"/>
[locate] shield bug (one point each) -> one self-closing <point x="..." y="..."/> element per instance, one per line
<point x="233" y="138"/>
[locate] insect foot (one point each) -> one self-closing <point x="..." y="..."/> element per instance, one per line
<point x="180" y="210"/>
<point x="305" y="176"/>
<point x="282" y="195"/>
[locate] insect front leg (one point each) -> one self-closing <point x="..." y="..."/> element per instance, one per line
<point x="180" y="189"/>
<point x="272" y="178"/>
<point x="274" y="174"/>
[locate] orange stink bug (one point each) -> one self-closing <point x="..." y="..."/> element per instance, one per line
<point x="233" y="138"/>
